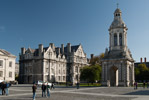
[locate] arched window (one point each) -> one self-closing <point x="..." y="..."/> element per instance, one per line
<point x="120" y="39"/>
<point x="115" y="39"/>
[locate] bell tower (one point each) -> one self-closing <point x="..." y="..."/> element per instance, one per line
<point x="118" y="32"/>
<point x="117" y="64"/>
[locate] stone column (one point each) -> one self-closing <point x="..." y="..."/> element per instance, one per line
<point x="118" y="39"/>
<point x="43" y="70"/>
<point x="133" y="77"/>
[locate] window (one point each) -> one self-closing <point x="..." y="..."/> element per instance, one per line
<point x="47" y="70"/>
<point x="10" y="74"/>
<point x="59" y="71"/>
<point x="76" y="69"/>
<point x="120" y="39"/>
<point x="1" y="73"/>
<point x="10" y="64"/>
<point x="63" y="71"/>
<point x="1" y="63"/>
<point x="64" y="78"/>
<point x="115" y="39"/>
<point x="59" y="78"/>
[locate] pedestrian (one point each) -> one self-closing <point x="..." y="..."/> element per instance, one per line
<point x="144" y="85"/>
<point x="48" y="91"/>
<point x="34" y="87"/>
<point x="147" y="84"/>
<point x="134" y="85"/>
<point x="43" y="87"/>
<point x="7" y="88"/>
<point x="0" y="88"/>
<point x="3" y="88"/>
<point x="52" y="86"/>
<point x="77" y="85"/>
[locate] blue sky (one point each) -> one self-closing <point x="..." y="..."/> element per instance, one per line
<point x="27" y="23"/>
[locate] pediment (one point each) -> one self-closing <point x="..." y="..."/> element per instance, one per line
<point x="1" y="53"/>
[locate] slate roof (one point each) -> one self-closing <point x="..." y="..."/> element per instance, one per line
<point x="73" y="48"/>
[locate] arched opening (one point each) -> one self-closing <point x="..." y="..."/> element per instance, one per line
<point x="113" y="76"/>
<point x="120" y="39"/>
<point x="115" y="39"/>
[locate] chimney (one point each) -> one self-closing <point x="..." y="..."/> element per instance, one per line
<point x="23" y="50"/>
<point x="145" y="59"/>
<point x="62" y="48"/>
<point x="92" y="56"/>
<point x="58" y="51"/>
<point x="40" y="49"/>
<point x="141" y="60"/>
<point x="68" y="47"/>
<point x="52" y="46"/>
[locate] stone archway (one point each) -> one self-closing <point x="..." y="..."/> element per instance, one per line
<point x="113" y="76"/>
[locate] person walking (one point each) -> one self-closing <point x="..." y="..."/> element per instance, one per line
<point x="7" y="88"/>
<point x="43" y="87"/>
<point x="3" y="88"/>
<point x="48" y="91"/>
<point x="147" y="84"/>
<point x="52" y="86"/>
<point x="0" y="88"/>
<point x="144" y="85"/>
<point x="34" y="87"/>
<point x="134" y="85"/>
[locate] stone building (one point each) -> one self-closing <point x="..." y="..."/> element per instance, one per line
<point x="16" y="70"/>
<point x="118" y="64"/>
<point x="52" y="64"/>
<point x="7" y="66"/>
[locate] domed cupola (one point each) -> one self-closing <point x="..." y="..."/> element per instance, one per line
<point x="117" y="22"/>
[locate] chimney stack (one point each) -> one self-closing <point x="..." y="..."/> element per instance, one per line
<point x="23" y="50"/>
<point x="40" y="49"/>
<point x="62" y="48"/>
<point x="52" y="46"/>
<point x="68" y="47"/>
<point x="58" y="50"/>
<point x="92" y="56"/>
<point x="145" y="59"/>
<point x="141" y="60"/>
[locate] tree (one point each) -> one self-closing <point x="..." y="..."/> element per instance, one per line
<point x="142" y="72"/>
<point x="96" y="59"/>
<point x="91" y="73"/>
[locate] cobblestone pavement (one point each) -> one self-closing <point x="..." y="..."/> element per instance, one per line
<point x="24" y="92"/>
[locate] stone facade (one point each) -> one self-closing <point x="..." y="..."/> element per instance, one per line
<point x="7" y="66"/>
<point x="118" y="64"/>
<point x="17" y="69"/>
<point x="52" y="64"/>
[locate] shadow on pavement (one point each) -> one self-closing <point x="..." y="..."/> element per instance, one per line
<point x="140" y="92"/>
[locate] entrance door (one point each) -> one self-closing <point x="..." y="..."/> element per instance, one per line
<point x="113" y="76"/>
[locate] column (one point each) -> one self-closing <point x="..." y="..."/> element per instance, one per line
<point x="118" y="39"/>
<point x="43" y="70"/>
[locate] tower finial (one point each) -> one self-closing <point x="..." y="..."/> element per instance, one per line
<point x="117" y="5"/>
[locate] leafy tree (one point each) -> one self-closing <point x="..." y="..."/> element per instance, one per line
<point x="96" y="59"/>
<point x="91" y="73"/>
<point x="141" y="72"/>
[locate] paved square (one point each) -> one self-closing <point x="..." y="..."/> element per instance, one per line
<point x="24" y="92"/>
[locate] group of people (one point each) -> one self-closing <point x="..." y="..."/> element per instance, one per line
<point x="4" y="88"/>
<point x="144" y="84"/>
<point x="45" y="90"/>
